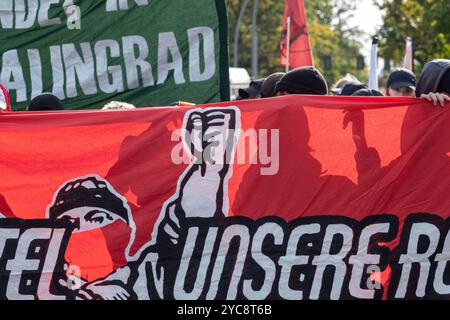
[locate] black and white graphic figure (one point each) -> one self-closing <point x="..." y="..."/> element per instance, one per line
<point x="210" y="135"/>
<point x="90" y="202"/>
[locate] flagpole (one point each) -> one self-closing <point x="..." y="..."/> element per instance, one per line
<point x="408" y="59"/>
<point x="236" y="33"/>
<point x="288" y="41"/>
<point x="255" y="41"/>
<point x="412" y="54"/>
<point x="373" y="71"/>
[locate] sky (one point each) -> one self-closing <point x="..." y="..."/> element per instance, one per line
<point x="367" y="17"/>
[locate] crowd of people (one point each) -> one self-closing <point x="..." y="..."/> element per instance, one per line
<point x="433" y="85"/>
<point x="50" y="102"/>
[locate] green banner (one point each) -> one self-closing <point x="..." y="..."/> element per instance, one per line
<point x="144" y="52"/>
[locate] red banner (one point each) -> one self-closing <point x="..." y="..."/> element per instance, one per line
<point x="300" y="52"/>
<point x="295" y="197"/>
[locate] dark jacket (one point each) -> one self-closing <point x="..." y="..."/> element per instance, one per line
<point x="431" y="75"/>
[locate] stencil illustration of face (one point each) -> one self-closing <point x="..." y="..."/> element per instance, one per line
<point x="102" y="217"/>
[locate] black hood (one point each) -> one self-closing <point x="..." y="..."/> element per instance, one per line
<point x="76" y="194"/>
<point x="431" y="75"/>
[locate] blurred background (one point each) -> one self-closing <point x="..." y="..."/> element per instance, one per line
<point x="340" y="33"/>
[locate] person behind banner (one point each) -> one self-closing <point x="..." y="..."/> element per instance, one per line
<point x="46" y="102"/>
<point x="114" y="105"/>
<point x="401" y="83"/>
<point x="5" y="105"/>
<point x="253" y="91"/>
<point x="367" y="93"/>
<point x="434" y="82"/>
<point x="304" y="80"/>
<point x="339" y="85"/>
<point x="351" y="87"/>
<point x="268" y="85"/>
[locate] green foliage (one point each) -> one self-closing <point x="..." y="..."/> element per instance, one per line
<point x="426" y="21"/>
<point x="329" y="36"/>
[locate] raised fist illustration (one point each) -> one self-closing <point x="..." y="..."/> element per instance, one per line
<point x="211" y="136"/>
<point x="208" y="134"/>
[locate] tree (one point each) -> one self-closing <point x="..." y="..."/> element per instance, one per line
<point x="329" y="34"/>
<point x="426" y="21"/>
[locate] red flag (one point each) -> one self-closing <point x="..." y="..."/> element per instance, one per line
<point x="300" y="53"/>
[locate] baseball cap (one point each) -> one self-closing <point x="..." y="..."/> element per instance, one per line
<point x="351" y="87"/>
<point x="401" y="78"/>
<point x="268" y="86"/>
<point x="253" y="90"/>
<point x="367" y="93"/>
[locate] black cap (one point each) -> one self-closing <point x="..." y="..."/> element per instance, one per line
<point x="401" y="78"/>
<point x="253" y="90"/>
<point x="367" y="93"/>
<point x="87" y="192"/>
<point x="45" y="102"/>
<point x="352" y="87"/>
<point x="268" y="86"/>
<point x="304" y="80"/>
